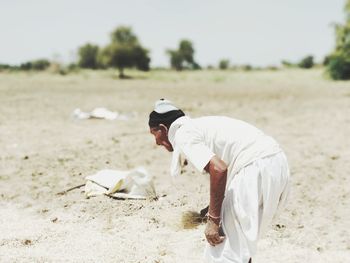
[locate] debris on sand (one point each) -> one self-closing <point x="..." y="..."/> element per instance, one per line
<point x="102" y="113"/>
<point x="132" y="184"/>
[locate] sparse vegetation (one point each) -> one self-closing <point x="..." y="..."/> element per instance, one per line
<point x="40" y="64"/>
<point x="338" y="63"/>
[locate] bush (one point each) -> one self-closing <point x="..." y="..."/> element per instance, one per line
<point x="72" y="67"/>
<point x="5" y="67"/>
<point x="224" y="64"/>
<point x="325" y="60"/>
<point x="287" y="64"/>
<point x="247" y="67"/>
<point x="57" y="68"/>
<point x="40" y="64"/>
<point x="338" y="67"/>
<point x="26" y="66"/>
<point x="272" y="68"/>
<point x="338" y="62"/>
<point x="307" y="62"/>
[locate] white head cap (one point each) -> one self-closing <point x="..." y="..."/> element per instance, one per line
<point x="164" y="106"/>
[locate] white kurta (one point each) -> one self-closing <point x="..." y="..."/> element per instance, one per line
<point x="257" y="183"/>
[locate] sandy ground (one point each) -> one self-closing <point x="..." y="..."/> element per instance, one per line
<point x="44" y="151"/>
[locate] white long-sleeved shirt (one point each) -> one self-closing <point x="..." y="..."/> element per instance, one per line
<point x="234" y="141"/>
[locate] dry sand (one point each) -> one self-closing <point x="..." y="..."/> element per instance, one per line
<point x="44" y="151"/>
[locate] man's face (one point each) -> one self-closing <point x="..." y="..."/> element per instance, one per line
<point x="160" y="134"/>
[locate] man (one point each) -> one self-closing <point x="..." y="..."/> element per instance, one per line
<point x="249" y="176"/>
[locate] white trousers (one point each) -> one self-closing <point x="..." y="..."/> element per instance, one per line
<point x="252" y="198"/>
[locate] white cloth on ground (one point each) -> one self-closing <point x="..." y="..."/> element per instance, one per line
<point x="102" y="113"/>
<point x="252" y="199"/>
<point x="133" y="184"/>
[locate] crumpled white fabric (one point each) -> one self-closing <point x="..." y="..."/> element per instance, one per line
<point x="132" y="184"/>
<point x="101" y="113"/>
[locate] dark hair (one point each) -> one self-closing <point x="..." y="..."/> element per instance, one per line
<point x="167" y="118"/>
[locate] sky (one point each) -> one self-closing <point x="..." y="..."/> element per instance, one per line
<point x="256" y="32"/>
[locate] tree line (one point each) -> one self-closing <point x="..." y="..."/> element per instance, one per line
<point x="125" y="51"/>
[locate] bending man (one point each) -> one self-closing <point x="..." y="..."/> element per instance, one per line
<point x="249" y="176"/>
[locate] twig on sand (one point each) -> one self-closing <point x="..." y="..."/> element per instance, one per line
<point x="70" y="189"/>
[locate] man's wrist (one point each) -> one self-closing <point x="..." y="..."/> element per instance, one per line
<point x="215" y="219"/>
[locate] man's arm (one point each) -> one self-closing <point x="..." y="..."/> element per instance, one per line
<point x="217" y="169"/>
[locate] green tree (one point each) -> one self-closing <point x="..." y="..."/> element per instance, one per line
<point x="141" y="58"/>
<point x="307" y="62"/>
<point x="338" y="62"/>
<point x="339" y="66"/>
<point x="183" y="57"/>
<point x="88" y="56"/>
<point x="117" y="56"/>
<point x="224" y="64"/>
<point x="124" y="51"/>
<point x="176" y="59"/>
<point x="124" y="36"/>
<point x="187" y="51"/>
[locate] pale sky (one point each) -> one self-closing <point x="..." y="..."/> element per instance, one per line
<point x="257" y="32"/>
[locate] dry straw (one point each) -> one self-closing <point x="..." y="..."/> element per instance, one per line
<point x="192" y="219"/>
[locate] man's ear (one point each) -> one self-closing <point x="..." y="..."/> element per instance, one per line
<point x="163" y="128"/>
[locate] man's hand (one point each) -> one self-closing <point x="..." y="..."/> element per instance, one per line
<point x="212" y="233"/>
